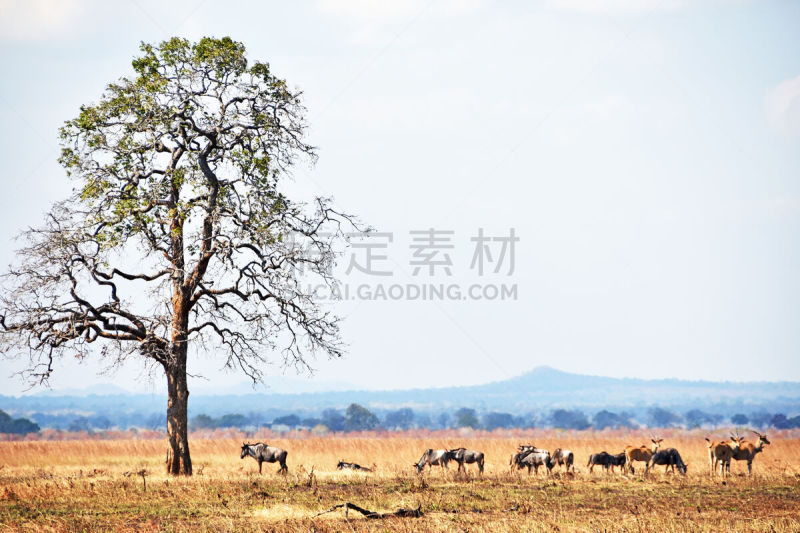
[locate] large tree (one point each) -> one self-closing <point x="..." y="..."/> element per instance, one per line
<point x="178" y="232"/>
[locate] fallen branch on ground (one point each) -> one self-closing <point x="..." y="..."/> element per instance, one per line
<point x="402" y="512"/>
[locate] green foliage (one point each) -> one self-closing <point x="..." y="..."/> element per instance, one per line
<point x="466" y="417"/>
<point x="606" y="419"/>
<point x="359" y="418"/>
<point x="401" y="418"/>
<point x="569" y="419"/>
<point x="740" y="419"/>
<point x="496" y="420"/>
<point x="18" y="426"/>
<point x="118" y="148"/>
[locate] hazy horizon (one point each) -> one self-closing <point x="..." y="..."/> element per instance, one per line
<point x="298" y="385"/>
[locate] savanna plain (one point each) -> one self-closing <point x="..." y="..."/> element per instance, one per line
<point x="120" y="485"/>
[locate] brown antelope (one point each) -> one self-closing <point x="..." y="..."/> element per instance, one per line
<point x="641" y="453"/>
<point x="747" y="450"/>
<point x="721" y="453"/>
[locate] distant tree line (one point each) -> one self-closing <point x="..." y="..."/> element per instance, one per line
<point x="360" y="418"/>
<point x="16" y="426"/>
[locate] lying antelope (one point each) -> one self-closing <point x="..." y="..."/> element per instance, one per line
<point x="352" y="466"/>
<point x="721" y="453"/>
<point x="747" y="451"/>
<point x="641" y="453"/>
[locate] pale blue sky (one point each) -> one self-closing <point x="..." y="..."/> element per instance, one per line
<point x="647" y="153"/>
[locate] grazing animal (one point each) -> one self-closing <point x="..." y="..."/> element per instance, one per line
<point x="464" y="456"/>
<point x="532" y="457"/>
<point x="747" y="451"/>
<point x="522" y="451"/>
<point x="264" y="453"/>
<point x="433" y="457"/>
<point x="606" y="460"/>
<point x="721" y="453"/>
<point x="352" y="466"/>
<point x="619" y="460"/>
<point x="670" y="458"/>
<point x="564" y="458"/>
<point x="641" y="453"/>
<point x="603" y="459"/>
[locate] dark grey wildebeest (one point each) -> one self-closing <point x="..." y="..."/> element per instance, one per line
<point x="532" y="457"/>
<point x="564" y="458"/>
<point x="619" y="460"/>
<point x="433" y="457"/>
<point x="603" y="459"/>
<point x="263" y="453"/>
<point x="352" y="466"/>
<point x="606" y="460"/>
<point x="670" y="458"/>
<point x="464" y="456"/>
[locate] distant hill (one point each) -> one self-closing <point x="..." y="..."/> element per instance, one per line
<point x="539" y="389"/>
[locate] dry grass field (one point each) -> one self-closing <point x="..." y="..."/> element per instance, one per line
<point x="87" y="485"/>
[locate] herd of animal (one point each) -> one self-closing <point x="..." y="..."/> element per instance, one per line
<point x="530" y="457"/>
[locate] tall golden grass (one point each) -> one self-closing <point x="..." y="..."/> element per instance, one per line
<point x="95" y="484"/>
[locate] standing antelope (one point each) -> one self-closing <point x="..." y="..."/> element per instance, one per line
<point x="641" y="453"/>
<point x="747" y="450"/>
<point x="721" y="453"/>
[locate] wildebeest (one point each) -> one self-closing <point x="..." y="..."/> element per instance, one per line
<point x="670" y="458"/>
<point x="619" y="460"/>
<point x="522" y="451"/>
<point x="721" y="453"/>
<point x="563" y="457"/>
<point x="747" y="450"/>
<point x="603" y="459"/>
<point x="464" y="456"/>
<point x="264" y="453"/>
<point x="433" y="457"/>
<point x="352" y="466"/>
<point x="532" y="457"/>
<point x="641" y="453"/>
<point x="606" y="460"/>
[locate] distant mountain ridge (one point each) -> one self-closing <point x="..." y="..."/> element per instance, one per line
<point x="540" y="388"/>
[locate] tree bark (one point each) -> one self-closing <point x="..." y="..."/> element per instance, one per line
<point x="179" y="462"/>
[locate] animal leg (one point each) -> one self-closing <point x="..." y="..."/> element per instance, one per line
<point x="259" y="465"/>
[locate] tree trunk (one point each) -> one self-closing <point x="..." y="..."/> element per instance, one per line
<point x="178" y="462"/>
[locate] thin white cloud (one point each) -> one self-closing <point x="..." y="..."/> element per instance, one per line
<point x="631" y="7"/>
<point x="34" y="20"/>
<point x="616" y="6"/>
<point x="783" y="106"/>
<point x="369" y="10"/>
